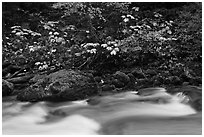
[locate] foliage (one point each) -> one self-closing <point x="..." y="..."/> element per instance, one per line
<point x="104" y="36"/>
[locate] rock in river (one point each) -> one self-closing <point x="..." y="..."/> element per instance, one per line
<point x="121" y="79"/>
<point x="63" y="85"/>
<point x="194" y="93"/>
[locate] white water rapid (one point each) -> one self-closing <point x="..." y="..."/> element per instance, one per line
<point x="157" y="112"/>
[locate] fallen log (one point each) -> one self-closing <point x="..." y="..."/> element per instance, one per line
<point x="18" y="80"/>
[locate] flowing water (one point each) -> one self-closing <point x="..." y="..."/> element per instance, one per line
<point x="124" y="114"/>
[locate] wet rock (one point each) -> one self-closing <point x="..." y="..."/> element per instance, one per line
<point x="58" y="113"/>
<point x="197" y="104"/>
<point x="175" y="80"/>
<point x="156" y="83"/>
<point x="97" y="79"/>
<point x="142" y="81"/>
<point x="132" y="77"/>
<point x="108" y="87"/>
<point x="122" y="77"/>
<point x="196" y="81"/>
<point x="185" y="83"/>
<point x="151" y="72"/>
<point x="9" y="99"/>
<point x="193" y="92"/>
<point x="158" y="94"/>
<point x="76" y="93"/>
<point x="7" y="88"/>
<point x="133" y="82"/>
<point x="59" y="86"/>
<point x="185" y="76"/>
<point x="160" y="78"/>
<point x="138" y="74"/>
<point x="118" y="84"/>
<point x="94" y="100"/>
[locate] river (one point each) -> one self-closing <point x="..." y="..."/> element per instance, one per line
<point x="122" y="114"/>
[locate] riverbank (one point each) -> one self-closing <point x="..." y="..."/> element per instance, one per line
<point x="70" y="85"/>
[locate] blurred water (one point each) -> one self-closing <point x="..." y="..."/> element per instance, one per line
<point x="125" y="113"/>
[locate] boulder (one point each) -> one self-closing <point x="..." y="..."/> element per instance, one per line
<point x="122" y="77"/>
<point x="142" y="81"/>
<point x="7" y="88"/>
<point x="108" y="87"/>
<point x="36" y="78"/>
<point x="118" y="84"/>
<point x="185" y="77"/>
<point x="34" y="93"/>
<point x="193" y="92"/>
<point x="63" y="85"/>
<point x="133" y="82"/>
<point x="196" y="81"/>
<point x="138" y="74"/>
<point x="185" y="83"/>
<point x="157" y="83"/>
<point x="97" y="79"/>
<point x="175" y="80"/>
<point x="151" y="72"/>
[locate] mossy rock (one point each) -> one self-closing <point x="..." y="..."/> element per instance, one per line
<point x="60" y="86"/>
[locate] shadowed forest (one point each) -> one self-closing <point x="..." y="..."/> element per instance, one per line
<point x="100" y="47"/>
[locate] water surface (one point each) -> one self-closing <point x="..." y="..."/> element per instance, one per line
<point x="124" y="114"/>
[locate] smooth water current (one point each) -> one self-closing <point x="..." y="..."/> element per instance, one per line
<point x="123" y="114"/>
